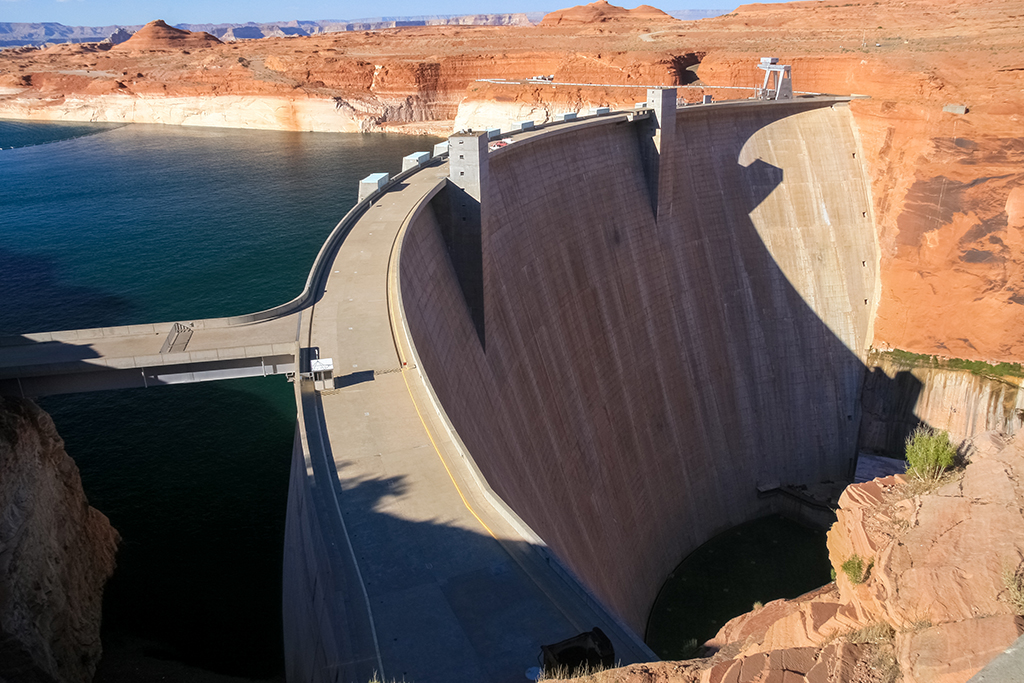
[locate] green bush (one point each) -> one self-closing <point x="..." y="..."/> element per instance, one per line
<point x="854" y="568"/>
<point x="929" y="453"/>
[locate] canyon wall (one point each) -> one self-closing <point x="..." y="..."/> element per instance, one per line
<point x="56" y="554"/>
<point x="944" y="144"/>
<point x="227" y="111"/>
<point x="636" y="377"/>
<point x="898" y="396"/>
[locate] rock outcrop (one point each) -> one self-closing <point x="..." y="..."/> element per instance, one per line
<point x="157" y="35"/>
<point x="119" y="36"/>
<point x="56" y="554"/>
<point x="601" y="12"/>
<point x="934" y="590"/>
<point x="898" y="396"/>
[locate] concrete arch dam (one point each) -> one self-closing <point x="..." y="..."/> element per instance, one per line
<point x="590" y="347"/>
<point x="651" y="319"/>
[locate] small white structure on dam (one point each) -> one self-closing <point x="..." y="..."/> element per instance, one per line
<point x="778" y="80"/>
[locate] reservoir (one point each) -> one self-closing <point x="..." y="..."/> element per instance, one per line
<point x="109" y="225"/>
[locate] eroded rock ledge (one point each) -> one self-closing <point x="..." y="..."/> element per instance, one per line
<point x="56" y="554"/>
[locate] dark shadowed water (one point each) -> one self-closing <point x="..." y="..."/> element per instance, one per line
<point x="110" y="225"/>
<point x="760" y="561"/>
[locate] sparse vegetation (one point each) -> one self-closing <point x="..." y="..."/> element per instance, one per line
<point x="856" y="569"/>
<point x="879" y="635"/>
<point x="883" y="662"/>
<point x="929" y="453"/>
<point x="876" y="632"/>
<point x="977" y="367"/>
<point x="583" y="672"/>
<point x="1013" y="580"/>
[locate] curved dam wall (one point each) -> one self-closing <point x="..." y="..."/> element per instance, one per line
<point x="639" y="372"/>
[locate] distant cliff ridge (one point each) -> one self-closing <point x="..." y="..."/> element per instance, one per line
<point x="13" y="34"/>
<point x="56" y="554"/>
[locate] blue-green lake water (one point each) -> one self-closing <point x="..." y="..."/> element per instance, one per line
<point x="110" y="225"/>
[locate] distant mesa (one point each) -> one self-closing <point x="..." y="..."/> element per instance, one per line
<point x="243" y="33"/>
<point x="119" y="36"/>
<point x="157" y="35"/>
<point x="603" y="11"/>
<point x="257" y="31"/>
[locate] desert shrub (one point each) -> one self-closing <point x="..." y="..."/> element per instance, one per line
<point x="929" y="453"/>
<point x="583" y="672"/>
<point x="875" y="632"/>
<point x="884" y="664"/>
<point x="880" y="638"/>
<point x="854" y="568"/>
<point x="1013" y="580"/>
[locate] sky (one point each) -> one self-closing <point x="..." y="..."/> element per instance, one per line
<point x="131" y="12"/>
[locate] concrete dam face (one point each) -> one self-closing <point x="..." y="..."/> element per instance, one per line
<point x="632" y="353"/>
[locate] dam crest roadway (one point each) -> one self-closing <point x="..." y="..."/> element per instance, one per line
<point x="442" y="526"/>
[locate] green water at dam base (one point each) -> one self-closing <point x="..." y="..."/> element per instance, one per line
<point x="763" y="560"/>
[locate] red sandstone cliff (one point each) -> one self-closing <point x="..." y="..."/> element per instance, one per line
<point x="948" y="187"/>
<point x="157" y="35"/>
<point x="56" y="554"/>
<point x="934" y="598"/>
<point x="944" y="183"/>
<point x="601" y="12"/>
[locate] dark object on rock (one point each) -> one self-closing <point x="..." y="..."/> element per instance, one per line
<point x="590" y="650"/>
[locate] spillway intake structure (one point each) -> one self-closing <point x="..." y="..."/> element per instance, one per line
<point x="643" y="321"/>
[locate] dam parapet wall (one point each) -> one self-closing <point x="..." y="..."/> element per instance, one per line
<point x="642" y="367"/>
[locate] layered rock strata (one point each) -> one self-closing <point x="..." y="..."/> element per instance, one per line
<point x="56" y="554"/>
<point x="897" y="397"/>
